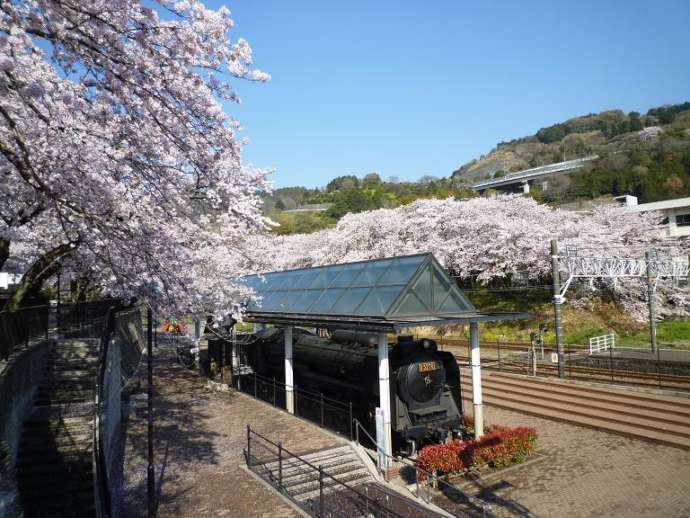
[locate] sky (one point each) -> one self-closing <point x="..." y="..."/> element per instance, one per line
<point x="409" y="89"/>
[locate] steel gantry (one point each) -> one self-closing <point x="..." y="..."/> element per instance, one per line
<point x="652" y="267"/>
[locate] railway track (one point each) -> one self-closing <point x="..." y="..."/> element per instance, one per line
<point x="655" y="417"/>
<point x="596" y="374"/>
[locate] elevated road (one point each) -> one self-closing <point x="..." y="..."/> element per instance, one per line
<point x="524" y="176"/>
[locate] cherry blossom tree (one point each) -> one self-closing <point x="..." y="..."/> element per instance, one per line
<point x="487" y="239"/>
<point x="116" y="156"/>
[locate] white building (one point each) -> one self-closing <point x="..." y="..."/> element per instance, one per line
<point x="677" y="214"/>
<point x="8" y="279"/>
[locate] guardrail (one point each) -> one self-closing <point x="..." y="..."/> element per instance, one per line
<point x="664" y="369"/>
<point x="314" y="406"/>
<point x="601" y="343"/>
<point x="424" y="480"/>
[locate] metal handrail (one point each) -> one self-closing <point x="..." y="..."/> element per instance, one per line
<point x="366" y="499"/>
<point x="303" y="392"/>
<point x="426" y="474"/>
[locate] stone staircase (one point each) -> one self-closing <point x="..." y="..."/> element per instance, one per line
<point x="55" y="467"/>
<point x="301" y="481"/>
<point x="645" y="415"/>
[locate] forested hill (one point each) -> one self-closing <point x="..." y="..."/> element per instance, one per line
<point x="635" y="158"/>
<point x="644" y="155"/>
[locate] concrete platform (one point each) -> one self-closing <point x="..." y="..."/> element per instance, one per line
<point x="586" y="473"/>
<point x="200" y="435"/>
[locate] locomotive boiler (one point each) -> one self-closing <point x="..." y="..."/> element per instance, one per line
<point x="426" y="405"/>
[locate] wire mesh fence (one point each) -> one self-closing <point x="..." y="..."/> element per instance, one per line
<point x="21" y="327"/>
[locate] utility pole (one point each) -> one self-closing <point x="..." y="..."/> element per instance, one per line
<point x="650" y="299"/>
<point x="151" y="488"/>
<point x="57" y="320"/>
<point x="557" y="299"/>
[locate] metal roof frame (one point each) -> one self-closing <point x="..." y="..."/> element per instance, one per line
<point x="374" y="324"/>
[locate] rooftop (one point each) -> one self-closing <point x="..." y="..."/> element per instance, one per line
<point x="377" y="295"/>
<point x="661" y="205"/>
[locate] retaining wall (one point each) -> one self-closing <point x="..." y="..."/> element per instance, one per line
<point x="20" y="376"/>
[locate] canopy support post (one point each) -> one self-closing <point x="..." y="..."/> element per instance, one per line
<point x="476" y="381"/>
<point x="385" y="395"/>
<point x="289" y="376"/>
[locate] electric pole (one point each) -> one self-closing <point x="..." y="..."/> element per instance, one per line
<point x="650" y="299"/>
<point x="557" y="299"/>
<point x="151" y="488"/>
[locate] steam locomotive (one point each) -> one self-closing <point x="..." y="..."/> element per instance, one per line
<point x="426" y="405"/>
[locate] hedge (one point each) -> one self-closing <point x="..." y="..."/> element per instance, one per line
<point x="499" y="448"/>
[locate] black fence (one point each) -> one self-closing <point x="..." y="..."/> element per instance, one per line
<point x="330" y="497"/>
<point x="665" y="368"/>
<point x="328" y="413"/>
<point x="82" y="319"/>
<point x="21" y="327"/>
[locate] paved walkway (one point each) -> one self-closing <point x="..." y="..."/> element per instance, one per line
<point x="585" y="473"/>
<point x="200" y="435"/>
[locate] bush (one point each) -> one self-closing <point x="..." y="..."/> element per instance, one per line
<point x="499" y="448"/>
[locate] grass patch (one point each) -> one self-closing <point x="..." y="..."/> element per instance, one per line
<point x="673" y="333"/>
<point x="579" y="324"/>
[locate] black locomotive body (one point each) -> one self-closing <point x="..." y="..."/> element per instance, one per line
<point x="426" y="404"/>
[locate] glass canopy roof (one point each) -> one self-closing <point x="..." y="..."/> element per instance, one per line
<point x="410" y="287"/>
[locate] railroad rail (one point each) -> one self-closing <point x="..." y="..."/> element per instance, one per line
<point x="615" y="372"/>
<point x="606" y="375"/>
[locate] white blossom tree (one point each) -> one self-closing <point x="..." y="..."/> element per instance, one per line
<point x="116" y="156"/>
<point x="486" y="239"/>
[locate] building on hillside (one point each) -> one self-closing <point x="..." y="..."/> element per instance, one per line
<point x="677" y="212"/>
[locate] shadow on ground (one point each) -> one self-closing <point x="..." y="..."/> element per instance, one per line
<point x="180" y="435"/>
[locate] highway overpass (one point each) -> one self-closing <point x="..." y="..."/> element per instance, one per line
<point x="522" y="178"/>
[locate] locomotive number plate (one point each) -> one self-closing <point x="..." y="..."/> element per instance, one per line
<point x="426" y="366"/>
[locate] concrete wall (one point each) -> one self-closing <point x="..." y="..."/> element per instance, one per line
<point x="673" y="229"/>
<point x="19" y="380"/>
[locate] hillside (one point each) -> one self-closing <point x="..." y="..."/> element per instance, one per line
<point x="651" y="165"/>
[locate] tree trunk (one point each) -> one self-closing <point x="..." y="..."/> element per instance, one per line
<point x="42" y="269"/>
<point x="4" y="251"/>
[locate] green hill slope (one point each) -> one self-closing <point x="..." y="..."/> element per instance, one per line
<point x="650" y="164"/>
<point x="632" y="160"/>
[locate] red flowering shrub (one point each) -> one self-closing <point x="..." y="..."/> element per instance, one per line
<point x="499" y="448"/>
